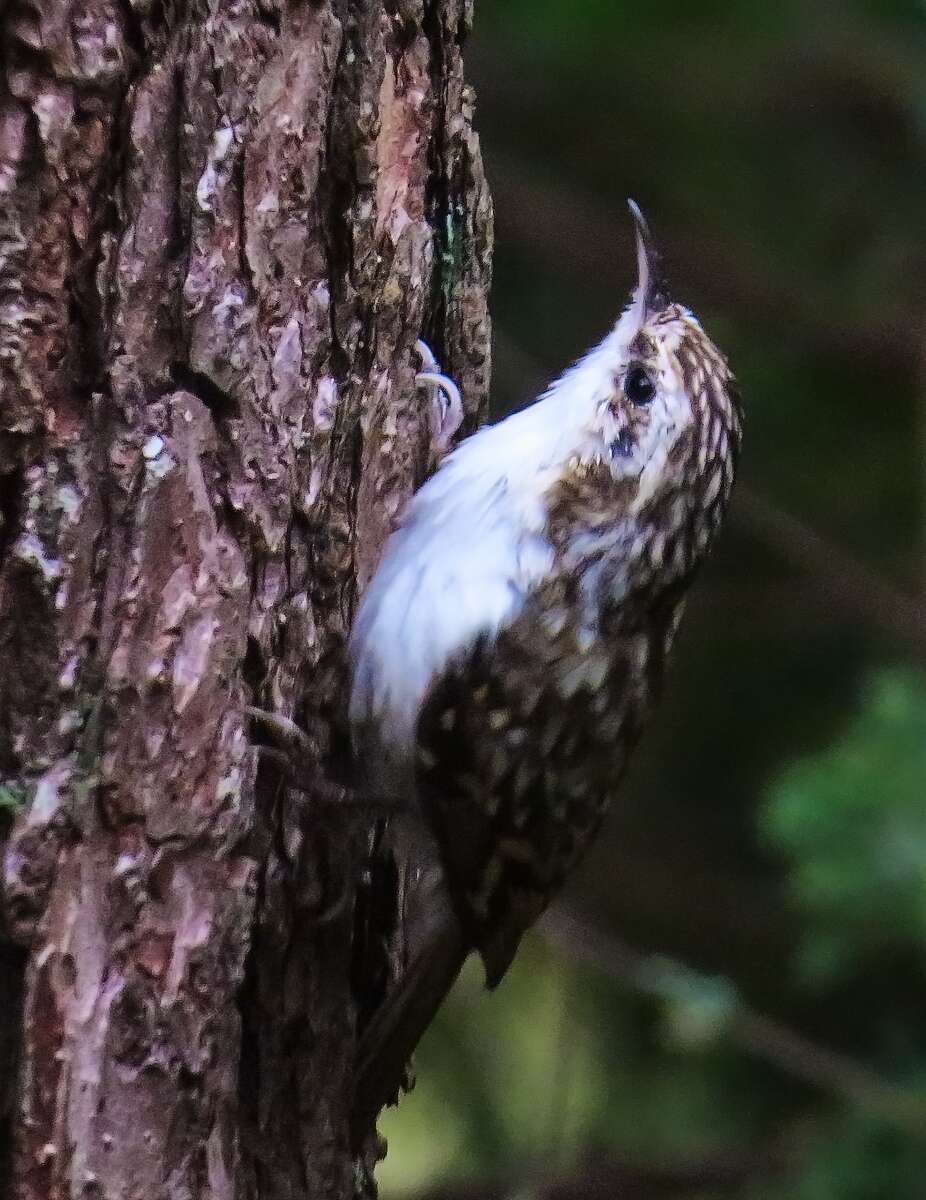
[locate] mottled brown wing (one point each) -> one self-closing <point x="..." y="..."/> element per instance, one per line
<point x="521" y="745"/>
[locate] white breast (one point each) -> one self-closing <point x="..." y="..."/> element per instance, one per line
<point x="471" y="546"/>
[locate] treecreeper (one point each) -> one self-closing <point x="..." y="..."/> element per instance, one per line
<point x="513" y="640"/>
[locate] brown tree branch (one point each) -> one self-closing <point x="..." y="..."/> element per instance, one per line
<point x="581" y="237"/>
<point x="613" y="1179"/>
<point x="759" y="1035"/>
<point x="838" y="574"/>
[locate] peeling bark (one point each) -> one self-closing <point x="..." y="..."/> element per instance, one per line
<point x="223" y="224"/>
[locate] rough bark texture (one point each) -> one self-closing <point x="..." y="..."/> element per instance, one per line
<point x="223" y="224"/>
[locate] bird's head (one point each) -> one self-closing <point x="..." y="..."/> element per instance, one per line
<point x="660" y="450"/>
<point x="670" y="410"/>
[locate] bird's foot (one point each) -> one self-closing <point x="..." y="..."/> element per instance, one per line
<point x="446" y="414"/>
<point x="296" y="754"/>
<point x="286" y="733"/>
<point x="300" y="758"/>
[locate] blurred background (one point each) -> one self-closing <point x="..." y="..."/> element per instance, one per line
<point x="730" y="1000"/>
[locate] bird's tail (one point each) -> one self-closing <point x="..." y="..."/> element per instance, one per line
<point x="437" y="949"/>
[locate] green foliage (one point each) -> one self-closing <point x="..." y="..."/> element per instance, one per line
<point x="697" y="1008"/>
<point x="851" y="821"/>
<point x="851" y="1158"/>
<point x="559" y="1060"/>
<point x="12" y="798"/>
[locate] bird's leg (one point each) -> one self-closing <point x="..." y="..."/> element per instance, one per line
<point x="446" y="413"/>
<point x="284" y="731"/>
<point x="298" y="756"/>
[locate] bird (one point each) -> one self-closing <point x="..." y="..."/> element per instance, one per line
<point x="514" y="637"/>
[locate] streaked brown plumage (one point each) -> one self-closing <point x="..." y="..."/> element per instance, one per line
<point x="516" y="727"/>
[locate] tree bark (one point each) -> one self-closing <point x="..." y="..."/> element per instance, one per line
<point x="223" y="224"/>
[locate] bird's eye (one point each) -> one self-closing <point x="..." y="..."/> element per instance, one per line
<point x="638" y="386"/>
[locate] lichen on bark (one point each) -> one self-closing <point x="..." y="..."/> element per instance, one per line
<point x="223" y="225"/>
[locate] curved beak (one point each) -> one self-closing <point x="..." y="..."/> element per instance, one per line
<point x="651" y="284"/>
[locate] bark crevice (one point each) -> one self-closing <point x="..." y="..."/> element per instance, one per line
<point x="220" y="243"/>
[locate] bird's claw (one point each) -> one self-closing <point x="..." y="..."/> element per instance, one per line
<point x="446" y="401"/>
<point x="295" y="754"/>
<point x="284" y="731"/>
<point x="298" y="756"/>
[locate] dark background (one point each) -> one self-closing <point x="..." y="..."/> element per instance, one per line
<point x="729" y="1001"/>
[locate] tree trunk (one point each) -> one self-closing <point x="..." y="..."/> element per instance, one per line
<point x="223" y="225"/>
